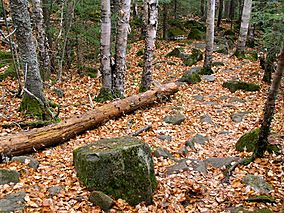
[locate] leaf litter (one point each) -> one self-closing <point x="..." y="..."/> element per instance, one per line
<point x="187" y="191"/>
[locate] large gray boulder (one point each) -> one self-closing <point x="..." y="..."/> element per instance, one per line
<point x="13" y="202"/>
<point x="121" y="167"/>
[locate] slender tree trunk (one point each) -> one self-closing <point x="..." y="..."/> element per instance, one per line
<point x="175" y="9"/>
<point x="151" y="19"/>
<point x="244" y="27"/>
<point x="121" y="45"/>
<point x="33" y="101"/>
<point x="202" y="8"/>
<point x="44" y="60"/>
<point x="106" y="47"/>
<point x="135" y="9"/>
<point x="220" y="12"/>
<point x="209" y="34"/>
<point x="262" y="142"/>
<point x="165" y="21"/>
<point x="232" y="12"/>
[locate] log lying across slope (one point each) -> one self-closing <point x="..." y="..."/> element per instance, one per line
<point x="36" y="139"/>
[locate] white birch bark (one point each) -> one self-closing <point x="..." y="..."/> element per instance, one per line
<point x="43" y="47"/>
<point x="209" y="34"/>
<point x="106" y="46"/>
<point x="151" y="23"/>
<point x="244" y="26"/>
<point x="123" y="29"/>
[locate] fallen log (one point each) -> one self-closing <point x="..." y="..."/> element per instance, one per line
<point x="36" y="139"/>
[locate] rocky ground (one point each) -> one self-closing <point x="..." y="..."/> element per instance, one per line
<point x="190" y="157"/>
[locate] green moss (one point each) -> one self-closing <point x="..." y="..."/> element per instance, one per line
<point x="206" y="71"/>
<point x="90" y="71"/>
<point x="142" y="89"/>
<point x="140" y="52"/>
<point x="261" y="198"/>
<point x="193" y="58"/>
<point x="141" y="63"/>
<point x="193" y="24"/>
<point x="129" y="174"/>
<point x="192" y="78"/>
<point x="248" y="141"/>
<point x="233" y="86"/>
<point x="217" y="64"/>
<point x="176" y="52"/>
<point x="104" y="95"/>
<point x="174" y="32"/>
<point x="31" y="107"/>
<point x="196" y="34"/>
<point x="9" y="72"/>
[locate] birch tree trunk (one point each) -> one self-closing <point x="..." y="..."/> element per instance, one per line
<point x="121" y="45"/>
<point x="43" y="47"/>
<point x="106" y="48"/>
<point x="262" y="143"/>
<point x="244" y="27"/>
<point x="209" y="35"/>
<point x="151" y="21"/>
<point x="33" y="102"/>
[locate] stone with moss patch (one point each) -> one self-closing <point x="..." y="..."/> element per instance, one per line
<point x="9" y="176"/>
<point x="175" y="33"/>
<point x="261" y="199"/>
<point x="176" y="52"/>
<point x="257" y="183"/>
<point x="233" y="86"/>
<point x="102" y="200"/>
<point x="190" y="78"/>
<point x="196" y="34"/>
<point x="121" y="167"/>
<point x="104" y="95"/>
<point x="193" y="58"/>
<point x="248" y="141"/>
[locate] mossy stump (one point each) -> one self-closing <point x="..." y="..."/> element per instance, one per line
<point x="119" y="167"/>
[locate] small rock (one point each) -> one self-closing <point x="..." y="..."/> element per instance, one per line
<point x="238" y="117"/>
<point x="198" y="97"/>
<point x="54" y="190"/>
<point x="13" y="202"/>
<point x="220" y="162"/>
<point x="257" y="183"/>
<point x="165" y="138"/>
<point x="102" y="200"/>
<point x="175" y="119"/>
<point x="8" y="176"/>
<point x="59" y="92"/>
<point x="210" y="103"/>
<point x="207" y="119"/>
<point x="33" y="163"/>
<point x="187" y="164"/>
<point x="160" y="152"/>
<point x="200" y="139"/>
<point x="209" y="78"/>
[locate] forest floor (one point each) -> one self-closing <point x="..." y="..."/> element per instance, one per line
<point x="172" y="195"/>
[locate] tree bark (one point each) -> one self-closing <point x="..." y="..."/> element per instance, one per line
<point x="33" y="82"/>
<point x="44" y="60"/>
<point x="220" y="12"/>
<point x="36" y="139"/>
<point x="202" y="8"/>
<point x="106" y="46"/>
<point x="209" y="34"/>
<point x="151" y="20"/>
<point x="244" y="27"/>
<point x="165" y="21"/>
<point x="262" y="143"/>
<point x="123" y="29"/>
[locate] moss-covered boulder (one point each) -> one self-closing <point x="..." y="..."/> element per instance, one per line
<point x="191" y="77"/>
<point x="175" y="33"/>
<point x="120" y="167"/>
<point x="177" y="52"/>
<point x="9" y="176"/>
<point x="233" y="86"/>
<point x="248" y="141"/>
<point x="195" y="56"/>
<point x="196" y="34"/>
<point x="190" y="24"/>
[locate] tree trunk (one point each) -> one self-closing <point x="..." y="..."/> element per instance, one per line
<point x="262" y="142"/>
<point x="232" y="12"/>
<point x="44" y="60"/>
<point x="244" y="27"/>
<point x="106" y="48"/>
<point x="209" y="34"/>
<point x="151" y="20"/>
<point x="165" y="21"/>
<point x="33" y="102"/>
<point x="202" y="8"/>
<point x="121" y="45"/>
<point x="220" y="12"/>
<point x="41" y="138"/>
